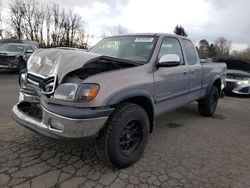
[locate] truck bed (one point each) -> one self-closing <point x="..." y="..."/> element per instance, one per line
<point x="210" y="71"/>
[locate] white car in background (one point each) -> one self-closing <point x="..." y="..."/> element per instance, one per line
<point x="238" y="77"/>
<point x="238" y="82"/>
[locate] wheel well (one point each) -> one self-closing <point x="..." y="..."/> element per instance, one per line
<point x="147" y="105"/>
<point x="217" y="83"/>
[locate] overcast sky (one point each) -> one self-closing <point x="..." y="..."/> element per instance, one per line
<point x="202" y="19"/>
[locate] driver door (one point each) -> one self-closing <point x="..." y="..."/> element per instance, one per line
<point x="171" y="83"/>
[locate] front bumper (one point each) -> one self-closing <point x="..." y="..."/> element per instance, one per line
<point x="9" y="65"/>
<point x="232" y="86"/>
<point x="57" y="126"/>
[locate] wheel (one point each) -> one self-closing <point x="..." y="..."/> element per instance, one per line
<point x="207" y="106"/>
<point x="122" y="141"/>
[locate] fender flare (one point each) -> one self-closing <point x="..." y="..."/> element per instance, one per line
<point x="127" y="95"/>
<point x="211" y="83"/>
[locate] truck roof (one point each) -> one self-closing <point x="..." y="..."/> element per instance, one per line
<point x="149" y="34"/>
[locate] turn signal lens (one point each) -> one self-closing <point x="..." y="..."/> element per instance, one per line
<point x="92" y="93"/>
<point x="87" y="92"/>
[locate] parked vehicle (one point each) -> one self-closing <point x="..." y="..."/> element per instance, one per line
<point x="114" y="92"/>
<point x="238" y="77"/>
<point x="18" y="41"/>
<point x="14" y="56"/>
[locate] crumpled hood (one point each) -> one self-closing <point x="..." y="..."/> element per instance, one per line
<point x="48" y="62"/>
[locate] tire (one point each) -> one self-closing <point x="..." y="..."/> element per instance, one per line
<point x="207" y="106"/>
<point x="123" y="140"/>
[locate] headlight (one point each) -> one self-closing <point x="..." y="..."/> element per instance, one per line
<point x="22" y="79"/>
<point x="243" y="82"/>
<point x="66" y="91"/>
<point x="222" y="85"/>
<point x="74" y="92"/>
<point x="15" y="58"/>
<point x="87" y="92"/>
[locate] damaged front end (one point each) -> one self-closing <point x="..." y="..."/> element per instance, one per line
<point x="52" y="86"/>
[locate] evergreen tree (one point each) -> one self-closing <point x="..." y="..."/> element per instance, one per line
<point x="179" y="30"/>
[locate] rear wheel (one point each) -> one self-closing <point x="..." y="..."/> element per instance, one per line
<point x="122" y="142"/>
<point x="207" y="106"/>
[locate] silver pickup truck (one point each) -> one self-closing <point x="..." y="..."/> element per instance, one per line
<point x="113" y="92"/>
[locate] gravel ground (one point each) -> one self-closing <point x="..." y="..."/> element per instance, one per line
<point x="185" y="150"/>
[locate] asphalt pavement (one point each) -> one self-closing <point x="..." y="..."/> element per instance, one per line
<point x="185" y="150"/>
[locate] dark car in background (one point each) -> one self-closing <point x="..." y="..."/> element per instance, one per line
<point x="19" y="41"/>
<point x="238" y="77"/>
<point x="14" y="56"/>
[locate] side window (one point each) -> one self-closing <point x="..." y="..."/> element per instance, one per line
<point x="190" y="52"/>
<point x="29" y="49"/>
<point x="33" y="48"/>
<point x="171" y="46"/>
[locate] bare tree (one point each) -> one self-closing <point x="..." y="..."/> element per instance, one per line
<point x="203" y="49"/>
<point x="222" y="46"/>
<point x="75" y="21"/>
<point x="49" y="25"/>
<point x="82" y="39"/>
<point x="16" y="17"/>
<point x="114" y="30"/>
<point x="28" y="7"/>
<point x="48" y="19"/>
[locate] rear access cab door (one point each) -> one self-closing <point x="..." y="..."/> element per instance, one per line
<point x="195" y="70"/>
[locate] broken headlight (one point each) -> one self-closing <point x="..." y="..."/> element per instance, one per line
<point x="66" y="91"/>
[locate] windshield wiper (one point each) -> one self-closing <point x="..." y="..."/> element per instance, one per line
<point x="135" y="63"/>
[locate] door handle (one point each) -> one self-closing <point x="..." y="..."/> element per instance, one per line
<point x="185" y="72"/>
<point x="191" y="71"/>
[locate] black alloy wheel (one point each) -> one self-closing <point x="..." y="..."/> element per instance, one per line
<point x="130" y="137"/>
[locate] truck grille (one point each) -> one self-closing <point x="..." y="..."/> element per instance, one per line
<point x="3" y="60"/>
<point x="46" y="84"/>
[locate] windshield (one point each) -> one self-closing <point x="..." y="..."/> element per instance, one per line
<point x="132" y="48"/>
<point x="11" y="47"/>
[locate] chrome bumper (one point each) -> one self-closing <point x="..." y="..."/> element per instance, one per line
<point x="56" y="126"/>
<point x="9" y="66"/>
<point x="4" y="66"/>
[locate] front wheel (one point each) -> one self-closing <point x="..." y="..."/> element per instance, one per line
<point x="207" y="106"/>
<point x="122" y="142"/>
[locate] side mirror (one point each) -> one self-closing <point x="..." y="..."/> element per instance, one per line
<point x="169" y="60"/>
<point x="29" y="51"/>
